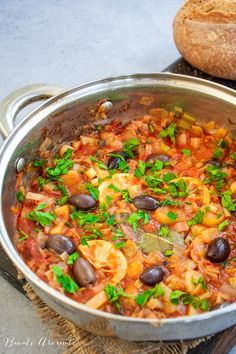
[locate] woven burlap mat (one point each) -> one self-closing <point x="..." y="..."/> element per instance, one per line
<point x="82" y="342"/>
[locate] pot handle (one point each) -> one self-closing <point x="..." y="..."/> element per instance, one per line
<point x="13" y="103"/>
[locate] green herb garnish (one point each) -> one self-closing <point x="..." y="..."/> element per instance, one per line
<point x="114" y="295"/>
<point x="227" y="201"/>
<point x="41" y="182"/>
<point x="42" y="218"/>
<point x="23" y="237"/>
<point x="143" y="298"/>
<point x="169" y="132"/>
<point x="64" y="194"/>
<point x="129" y="147"/>
<point x="223" y="225"/>
<point x="20" y="196"/>
<point x="164" y="231"/>
<point x="158" y="165"/>
<point x="172" y="216"/>
<point x="93" y="190"/>
<point x="72" y="258"/>
<point x="120" y="244"/>
<point x="168" y="253"/>
<point x="169" y="176"/>
<point x="168" y="201"/>
<point x="178" y="189"/>
<point x="114" y="188"/>
<point x="99" y="163"/>
<point x="187" y="299"/>
<point x="217" y="153"/>
<point x="136" y="217"/>
<point x="140" y="170"/>
<point x="201" y="281"/>
<point x="197" y="219"/>
<point x="214" y="174"/>
<point x="66" y="282"/>
<point x="39" y="163"/>
<point x="62" y="166"/>
<point x="186" y="152"/>
<point x="126" y="196"/>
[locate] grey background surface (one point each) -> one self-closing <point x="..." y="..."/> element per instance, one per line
<point x="69" y="42"/>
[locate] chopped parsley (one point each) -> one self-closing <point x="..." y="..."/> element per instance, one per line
<point x="99" y="163"/>
<point x="23" y="237"/>
<point x="218" y="153"/>
<point x="136" y="217"/>
<point x="186" y="152"/>
<point x="167" y="177"/>
<point x="64" y="194"/>
<point x="233" y="155"/>
<point x="158" y="165"/>
<point x="153" y="181"/>
<point x="168" y="253"/>
<point x="120" y="244"/>
<point x="65" y="280"/>
<point x="123" y="166"/>
<point x="222" y="143"/>
<point x="39" y="163"/>
<point x="198" y="281"/>
<point x="223" y="225"/>
<point x="197" y="219"/>
<point x="42" y="218"/>
<point x="126" y="196"/>
<point x="140" y="169"/>
<point x="227" y="201"/>
<point x="84" y="241"/>
<point x="187" y="299"/>
<point x="164" y="231"/>
<point x="93" y="190"/>
<point x="168" y="201"/>
<point x="169" y="132"/>
<point x="72" y="258"/>
<point x="41" y="182"/>
<point x="178" y="189"/>
<point x="172" y="216"/>
<point x="109" y="200"/>
<point x="143" y="298"/>
<point x="129" y="147"/>
<point x="214" y="174"/>
<point x="85" y="218"/>
<point x="20" y="196"/>
<point x="62" y="166"/>
<point x="114" y="188"/>
<point x="114" y="295"/>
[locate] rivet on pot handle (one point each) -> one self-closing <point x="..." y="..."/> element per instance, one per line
<point x="12" y="104"/>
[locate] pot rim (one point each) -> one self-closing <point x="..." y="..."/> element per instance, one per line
<point x="222" y="92"/>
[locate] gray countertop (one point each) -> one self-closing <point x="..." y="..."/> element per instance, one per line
<point x="68" y="43"/>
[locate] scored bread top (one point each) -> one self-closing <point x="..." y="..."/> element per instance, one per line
<point x="211" y="11"/>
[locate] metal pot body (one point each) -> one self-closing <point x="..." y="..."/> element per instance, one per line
<point x="60" y="118"/>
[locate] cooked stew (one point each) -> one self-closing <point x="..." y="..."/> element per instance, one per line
<point x="134" y="218"/>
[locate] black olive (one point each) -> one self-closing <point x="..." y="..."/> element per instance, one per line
<point x="60" y="243"/>
<point x="146" y="202"/>
<point x="113" y="161"/>
<point x="218" y="250"/>
<point x="83" y="272"/>
<point x="153" y="275"/>
<point x="82" y="201"/>
<point x="161" y="157"/>
<point x="214" y="162"/>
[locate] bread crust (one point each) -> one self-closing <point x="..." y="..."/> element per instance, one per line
<point x="205" y="35"/>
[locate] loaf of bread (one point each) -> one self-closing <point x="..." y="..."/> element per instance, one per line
<point x="205" y="35"/>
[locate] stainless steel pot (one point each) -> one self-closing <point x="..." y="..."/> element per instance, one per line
<point x="61" y="118"/>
